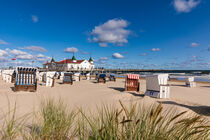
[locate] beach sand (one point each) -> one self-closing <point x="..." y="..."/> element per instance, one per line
<point x="89" y="95"/>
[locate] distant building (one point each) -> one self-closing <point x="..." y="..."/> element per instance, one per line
<point x="70" y="65"/>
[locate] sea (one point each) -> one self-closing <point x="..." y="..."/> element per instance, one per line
<point x="198" y="76"/>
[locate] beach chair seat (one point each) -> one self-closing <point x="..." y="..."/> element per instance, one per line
<point x="157" y="86"/>
<point x="25" y="79"/>
<point x="132" y="82"/>
<point x="50" y="79"/>
<point x="68" y="78"/>
<point x="189" y="81"/>
<point x="101" y="78"/>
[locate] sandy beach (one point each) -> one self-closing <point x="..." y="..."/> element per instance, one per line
<point x="89" y="95"/>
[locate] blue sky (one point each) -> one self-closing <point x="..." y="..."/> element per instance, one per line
<point x="148" y="34"/>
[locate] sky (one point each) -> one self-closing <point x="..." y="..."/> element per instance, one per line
<point x="143" y="34"/>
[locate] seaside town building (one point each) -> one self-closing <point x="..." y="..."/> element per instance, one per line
<point x="70" y="65"/>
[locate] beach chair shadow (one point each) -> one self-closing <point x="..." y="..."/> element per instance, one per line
<point x="60" y="83"/>
<point x="206" y="86"/>
<point x="94" y="82"/>
<point x="177" y="85"/>
<point x="202" y="110"/>
<point x="123" y="89"/>
<point x="12" y="88"/>
<point x="136" y="94"/>
<point x="118" y="88"/>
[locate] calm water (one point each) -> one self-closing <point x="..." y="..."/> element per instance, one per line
<point x="182" y="76"/>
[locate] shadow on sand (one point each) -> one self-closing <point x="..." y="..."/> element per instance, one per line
<point x="123" y="89"/>
<point x="206" y="86"/>
<point x="177" y="85"/>
<point x="202" y="110"/>
<point x="12" y="88"/>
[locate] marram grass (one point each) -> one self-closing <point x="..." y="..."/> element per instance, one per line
<point x="56" y="122"/>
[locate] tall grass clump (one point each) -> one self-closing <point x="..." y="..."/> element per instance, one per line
<point x="56" y="121"/>
<point x="11" y="126"/>
<point x="135" y="122"/>
<point x="138" y="123"/>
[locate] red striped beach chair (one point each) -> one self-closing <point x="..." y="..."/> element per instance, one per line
<point x="132" y="82"/>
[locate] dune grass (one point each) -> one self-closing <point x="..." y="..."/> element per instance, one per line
<point x="135" y="122"/>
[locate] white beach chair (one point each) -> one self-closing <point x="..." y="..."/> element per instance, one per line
<point x="87" y="76"/>
<point x="50" y="78"/>
<point x="77" y="76"/>
<point x="8" y="76"/>
<point x="157" y="86"/>
<point x="40" y="76"/>
<point x="190" y="82"/>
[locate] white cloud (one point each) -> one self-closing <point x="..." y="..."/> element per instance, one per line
<point x="2" y="42"/>
<point x="18" y="52"/>
<point x="103" y="58"/>
<point x="40" y="56"/>
<point x="209" y="45"/>
<point x="21" y="54"/>
<point x="155" y="49"/>
<point x="112" y="31"/>
<point x="117" y="56"/>
<point x="25" y="57"/>
<point x="3" y="59"/>
<point x="3" y="53"/>
<point x="43" y="59"/>
<point x="71" y="50"/>
<point x="35" y="48"/>
<point x="34" y="18"/>
<point x="194" y="44"/>
<point x="185" y="5"/>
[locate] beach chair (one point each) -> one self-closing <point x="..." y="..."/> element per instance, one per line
<point x="132" y="82"/>
<point x="44" y="77"/>
<point x="157" y="86"/>
<point x="77" y="76"/>
<point x="4" y="75"/>
<point x="61" y="76"/>
<point x="68" y="78"/>
<point x="87" y="75"/>
<point x="8" y="76"/>
<point x="112" y="77"/>
<point x="190" y="82"/>
<point x="96" y="76"/>
<point x="102" y="78"/>
<point x="13" y="76"/>
<point x="50" y="79"/>
<point x="25" y="79"/>
<point x="57" y="75"/>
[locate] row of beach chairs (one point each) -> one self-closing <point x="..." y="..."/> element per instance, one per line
<point x="25" y="79"/>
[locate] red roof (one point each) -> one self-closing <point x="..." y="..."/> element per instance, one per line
<point x="67" y="61"/>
